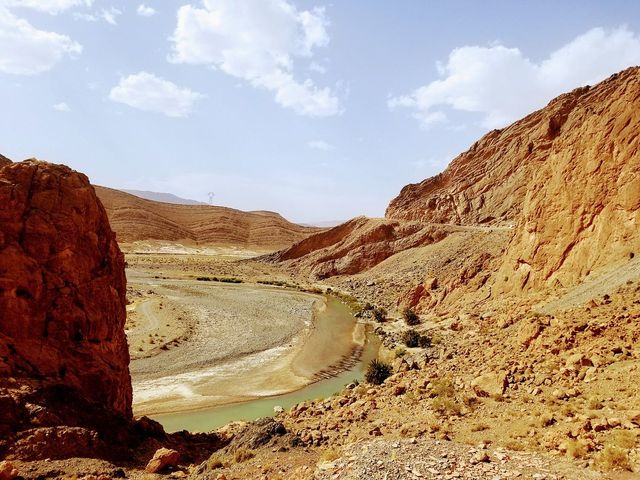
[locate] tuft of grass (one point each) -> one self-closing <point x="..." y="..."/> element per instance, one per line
<point x="613" y="457"/>
<point x="380" y="314"/>
<point x="377" y="372"/>
<point x="623" y="439"/>
<point x="575" y="448"/>
<point x="411" y="338"/>
<point x="410" y="317"/>
<point x="215" y="462"/>
<point x="242" y="455"/>
<point x="331" y="454"/>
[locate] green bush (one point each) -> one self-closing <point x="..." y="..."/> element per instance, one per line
<point x="410" y="317"/>
<point x="377" y="372"/>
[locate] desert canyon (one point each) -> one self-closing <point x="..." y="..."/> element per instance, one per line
<point x="487" y="327"/>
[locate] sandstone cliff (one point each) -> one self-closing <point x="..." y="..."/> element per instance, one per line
<point x="564" y="182"/>
<point x="567" y="177"/>
<point x="62" y="296"/>
<point x="135" y="218"/>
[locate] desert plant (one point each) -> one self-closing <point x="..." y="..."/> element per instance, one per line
<point x="424" y="342"/>
<point x="377" y="372"/>
<point x="400" y="352"/>
<point x="411" y="338"/>
<point x="613" y="457"/>
<point x="410" y="317"/>
<point x="242" y="455"/>
<point x="380" y="314"/>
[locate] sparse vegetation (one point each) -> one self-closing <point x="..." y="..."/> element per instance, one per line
<point x="331" y="454"/>
<point x="410" y="317"/>
<point x="411" y="338"/>
<point x="222" y="279"/>
<point x="613" y="457"/>
<point x="400" y="352"/>
<point x="380" y="314"/>
<point x="377" y="372"/>
<point x="242" y="455"/>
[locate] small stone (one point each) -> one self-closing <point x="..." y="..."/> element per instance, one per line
<point x="480" y="457"/>
<point x="7" y="471"/>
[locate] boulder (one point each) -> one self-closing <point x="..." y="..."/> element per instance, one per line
<point x="7" y="471"/>
<point x="162" y="459"/>
<point x="492" y="384"/>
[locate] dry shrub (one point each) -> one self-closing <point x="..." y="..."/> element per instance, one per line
<point x="575" y="448"/>
<point x="331" y="454"/>
<point x="242" y="455"/>
<point x="613" y="457"/>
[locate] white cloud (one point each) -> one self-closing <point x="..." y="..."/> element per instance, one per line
<point x="62" y="107"/>
<point x="25" y="50"/>
<point x="145" y="11"/>
<point x="147" y="92"/>
<point x="258" y="41"/>
<point x="320" y="145"/>
<point x="318" y="68"/>
<point x="110" y="15"/>
<point x="49" y="6"/>
<point x="107" y="15"/>
<point x="502" y="84"/>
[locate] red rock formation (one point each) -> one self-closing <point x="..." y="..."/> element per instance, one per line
<point x="567" y="177"/>
<point x="62" y="286"/>
<point x="356" y="245"/>
<point x="564" y="181"/>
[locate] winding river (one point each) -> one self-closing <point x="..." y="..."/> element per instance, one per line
<point x="326" y="354"/>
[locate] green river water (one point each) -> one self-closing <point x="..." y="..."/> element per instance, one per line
<point x="334" y="327"/>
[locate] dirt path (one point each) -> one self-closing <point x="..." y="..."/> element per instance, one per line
<point x="606" y="283"/>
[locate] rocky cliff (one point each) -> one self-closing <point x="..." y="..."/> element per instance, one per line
<point x="134" y="218"/>
<point x="564" y="181"/>
<point x="62" y="292"/>
<point x="567" y="177"/>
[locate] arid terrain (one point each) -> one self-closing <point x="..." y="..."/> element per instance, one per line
<point x="134" y="218"/>
<point x="505" y="292"/>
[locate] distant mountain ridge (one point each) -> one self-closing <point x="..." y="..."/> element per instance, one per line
<point x="137" y="219"/>
<point x="163" y="197"/>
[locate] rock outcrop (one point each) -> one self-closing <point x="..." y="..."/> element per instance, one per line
<point x="356" y="245"/>
<point x="567" y="177"/>
<point x="137" y="219"/>
<point x="62" y="300"/>
<point x="564" y="182"/>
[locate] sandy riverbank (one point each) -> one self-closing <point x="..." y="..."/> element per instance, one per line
<point x="196" y="344"/>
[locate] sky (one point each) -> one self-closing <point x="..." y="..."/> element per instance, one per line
<point x="320" y="111"/>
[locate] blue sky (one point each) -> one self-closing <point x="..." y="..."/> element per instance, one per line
<point x="320" y="111"/>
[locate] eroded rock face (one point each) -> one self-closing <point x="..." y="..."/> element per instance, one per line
<point x="566" y="179"/>
<point x="62" y="286"/>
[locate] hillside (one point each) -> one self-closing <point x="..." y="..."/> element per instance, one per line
<point x="567" y="177"/>
<point x="562" y="186"/>
<point x="134" y="219"/>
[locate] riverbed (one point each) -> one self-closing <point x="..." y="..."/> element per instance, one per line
<point x="231" y="352"/>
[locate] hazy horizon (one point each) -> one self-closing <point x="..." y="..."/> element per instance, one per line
<point x="318" y="111"/>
